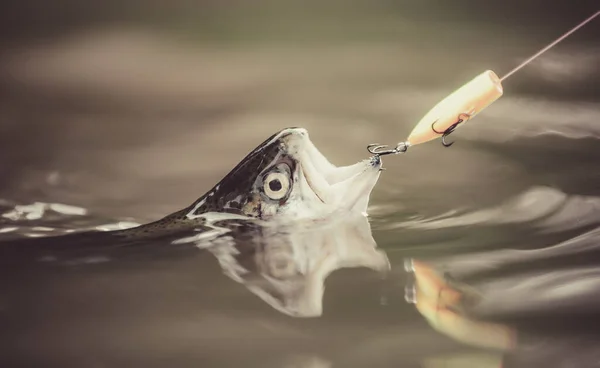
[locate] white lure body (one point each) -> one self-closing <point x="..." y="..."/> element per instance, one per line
<point x="463" y="104"/>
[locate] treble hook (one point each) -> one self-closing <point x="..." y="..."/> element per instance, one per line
<point x="461" y="118"/>
<point x="382" y="149"/>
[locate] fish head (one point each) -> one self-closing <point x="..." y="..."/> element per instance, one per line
<point x="288" y="177"/>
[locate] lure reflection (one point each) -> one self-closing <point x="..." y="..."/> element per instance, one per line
<point x="538" y="307"/>
<point x="472" y="360"/>
<point x="442" y="302"/>
<point x="287" y="267"/>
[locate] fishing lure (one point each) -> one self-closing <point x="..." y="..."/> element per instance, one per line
<point x="462" y="105"/>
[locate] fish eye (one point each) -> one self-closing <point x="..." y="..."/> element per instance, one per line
<point x="276" y="185"/>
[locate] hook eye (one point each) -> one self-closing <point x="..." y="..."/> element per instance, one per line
<point x="380" y="149"/>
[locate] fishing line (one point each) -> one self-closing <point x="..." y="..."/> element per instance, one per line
<point x="551" y="45"/>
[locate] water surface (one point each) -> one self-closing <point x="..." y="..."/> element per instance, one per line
<point x="127" y="126"/>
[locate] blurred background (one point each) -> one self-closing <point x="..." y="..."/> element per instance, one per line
<point x="134" y="108"/>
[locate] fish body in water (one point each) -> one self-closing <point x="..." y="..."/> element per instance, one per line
<point x="283" y="180"/>
<point x="279" y="223"/>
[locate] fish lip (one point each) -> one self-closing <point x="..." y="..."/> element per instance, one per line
<point x="332" y="179"/>
<point x="312" y="185"/>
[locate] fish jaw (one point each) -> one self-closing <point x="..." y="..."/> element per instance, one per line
<point x="322" y="188"/>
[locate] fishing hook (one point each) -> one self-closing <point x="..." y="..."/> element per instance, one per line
<point x="382" y="149"/>
<point x="461" y="119"/>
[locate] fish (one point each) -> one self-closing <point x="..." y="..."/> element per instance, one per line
<point x="278" y="225"/>
<point x="284" y="180"/>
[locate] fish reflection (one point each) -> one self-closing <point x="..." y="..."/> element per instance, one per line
<point x="162" y="295"/>
<point x="287" y="266"/>
<point x="284" y="265"/>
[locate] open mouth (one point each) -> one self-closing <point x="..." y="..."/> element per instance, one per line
<point x="338" y="185"/>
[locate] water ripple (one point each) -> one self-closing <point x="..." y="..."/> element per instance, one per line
<point x="40" y="219"/>
<point x="551" y="209"/>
